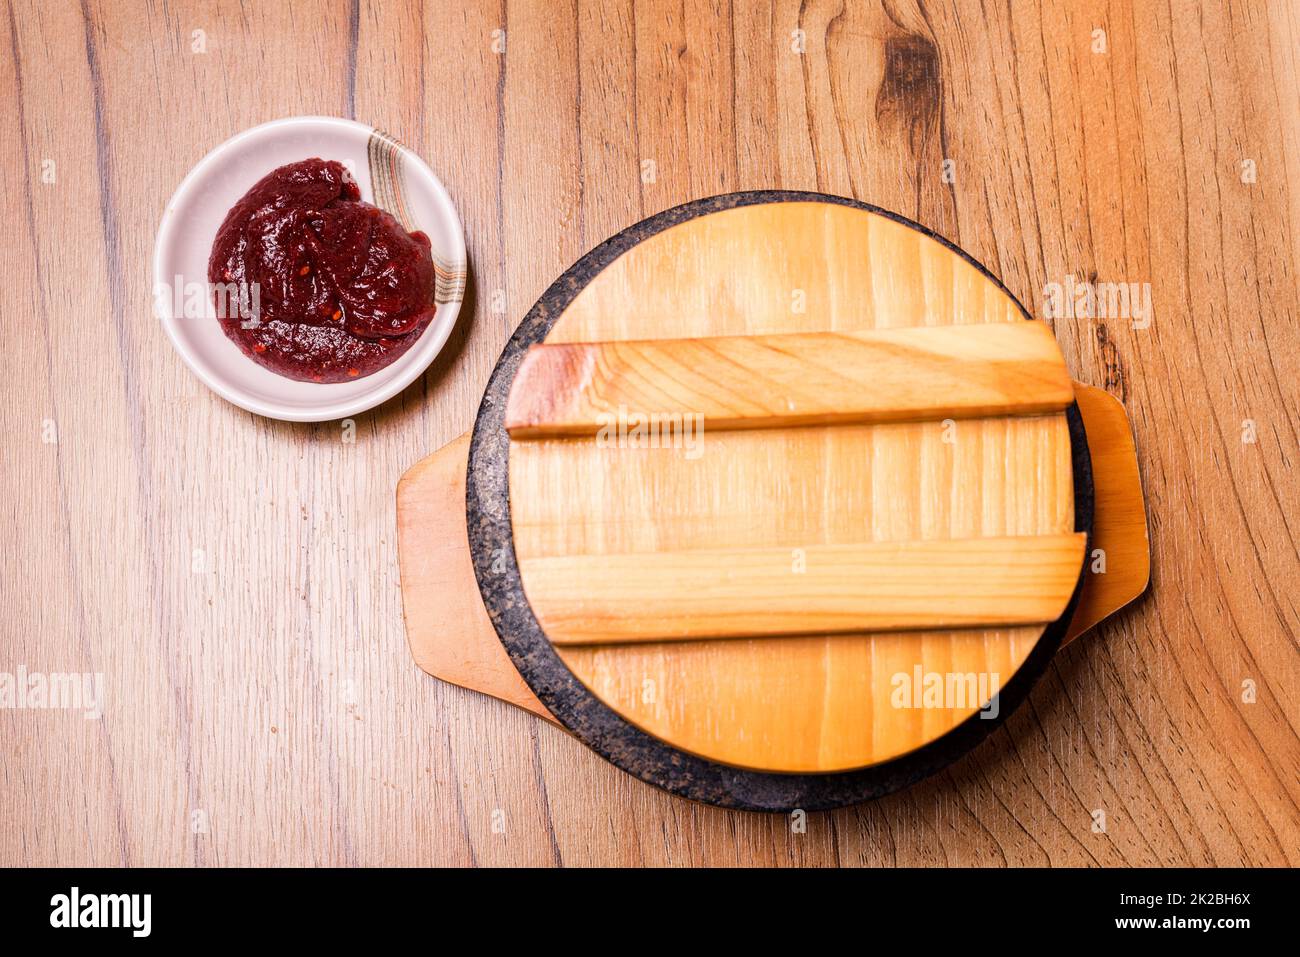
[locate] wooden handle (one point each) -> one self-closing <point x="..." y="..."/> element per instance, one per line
<point x="447" y="627"/>
<point x="1119" y="566"/>
<point x="771" y="381"/>
<point x="451" y="637"/>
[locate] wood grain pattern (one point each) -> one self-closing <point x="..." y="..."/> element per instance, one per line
<point x="824" y="701"/>
<point x="919" y="585"/>
<point x="452" y="638"/>
<point x="1118" y="568"/>
<point x="449" y="632"/>
<point x="797" y="379"/>
<point x="265" y="709"/>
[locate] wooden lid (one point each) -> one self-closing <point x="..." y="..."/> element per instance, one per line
<point x="863" y="480"/>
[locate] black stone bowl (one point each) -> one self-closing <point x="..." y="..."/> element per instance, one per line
<point x="591" y="720"/>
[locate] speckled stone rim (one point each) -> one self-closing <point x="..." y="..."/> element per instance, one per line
<point x="487" y="500"/>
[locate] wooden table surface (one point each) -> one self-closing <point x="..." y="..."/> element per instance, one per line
<point x="234" y="579"/>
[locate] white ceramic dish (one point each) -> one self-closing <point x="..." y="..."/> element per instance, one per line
<point x="388" y="174"/>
